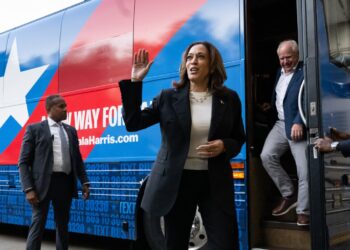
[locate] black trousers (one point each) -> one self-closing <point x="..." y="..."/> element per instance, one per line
<point x="194" y="191"/>
<point x="60" y="194"/>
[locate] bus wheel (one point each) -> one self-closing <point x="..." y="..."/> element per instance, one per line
<point x="154" y="231"/>
<point x="198" y="237"/>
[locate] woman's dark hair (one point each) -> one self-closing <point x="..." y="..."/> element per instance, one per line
<point x="217" y="74"/>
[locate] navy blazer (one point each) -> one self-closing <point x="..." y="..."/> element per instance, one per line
<point x="171" y="109"/>
<point x="344" y="147"/>
<point x="290" y="102"/>
<point x="36" y="158"/>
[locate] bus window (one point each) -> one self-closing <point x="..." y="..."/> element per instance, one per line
<point x="338" y="28"/>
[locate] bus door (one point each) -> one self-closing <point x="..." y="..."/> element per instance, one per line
<point x="326" y="44"/>
<point x="267" y="24"/>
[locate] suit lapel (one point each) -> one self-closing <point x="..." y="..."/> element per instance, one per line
<point x="181" y="105"/>
<point x="46" y="130"/>
<point x="297" y="74"/>
<point x="218" y="110"/>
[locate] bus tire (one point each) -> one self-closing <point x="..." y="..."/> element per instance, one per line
<point x="154" y="232"/>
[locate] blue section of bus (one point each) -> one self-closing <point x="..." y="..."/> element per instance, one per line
<point x="335" y="85"/>
<point x="112" y="205"/>
<point x="114" y="190"/>
<point x="8" y="131"/>
<point x="241" y="201"/>
<point x="3" y="45"/>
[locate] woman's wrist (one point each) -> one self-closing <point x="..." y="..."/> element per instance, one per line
<point x="133" y="79"/>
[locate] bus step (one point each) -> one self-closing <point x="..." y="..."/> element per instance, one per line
<point x="286" y="235"/>
<point x="274" y="248"/>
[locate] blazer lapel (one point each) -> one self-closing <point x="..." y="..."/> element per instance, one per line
<point x="297" y="74"/>
<point x="218" y="110"/>
<point x="181" y="105"/>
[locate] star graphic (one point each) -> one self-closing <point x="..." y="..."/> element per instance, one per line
<point x="14" y="86"/>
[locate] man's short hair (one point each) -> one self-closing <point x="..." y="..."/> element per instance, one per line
<point x="50" y="101"/>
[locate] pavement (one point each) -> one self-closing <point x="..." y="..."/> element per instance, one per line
<point x="13" y="242"/>
<point x="14" y="238"/>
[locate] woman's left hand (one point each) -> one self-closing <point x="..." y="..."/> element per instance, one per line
<point x="211" y="149"/>
<point x="86" y="191"/>
<point x="140" y="66"/>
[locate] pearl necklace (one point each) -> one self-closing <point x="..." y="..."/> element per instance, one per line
<point x="199" y="97"/>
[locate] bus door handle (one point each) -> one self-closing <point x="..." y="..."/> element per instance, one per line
<point x="313" y="136"/>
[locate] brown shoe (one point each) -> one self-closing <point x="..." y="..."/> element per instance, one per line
<point x="284" y="206"/>
<point x="303" y="220"/>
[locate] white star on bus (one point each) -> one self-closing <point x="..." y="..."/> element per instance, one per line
<point x="14" y="86"/>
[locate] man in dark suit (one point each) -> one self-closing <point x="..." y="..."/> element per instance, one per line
<point x="327" y="145"/>
<point x="288" y="132"/>
<point x="49" y="164"/>
<point x="339" y="141"/>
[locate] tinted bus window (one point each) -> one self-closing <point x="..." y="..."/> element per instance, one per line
<point x="338" y="28"/>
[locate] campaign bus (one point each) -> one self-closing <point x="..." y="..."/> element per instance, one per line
<point x="83" y="51"/>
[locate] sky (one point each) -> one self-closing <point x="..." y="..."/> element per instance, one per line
<point x="14" y="13"/>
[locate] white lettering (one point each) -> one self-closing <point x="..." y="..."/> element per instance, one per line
<point x="104" y="116"/>
<point x="120" y="116"/>
<point x="109" y="139"/>
<point x="69" y="118"/>
<point x="112" y="114"/>
<point x="88" y="120"/>
<point x="79" y="119"/>
<point x="95" y="114"/>
<point x="92" y="118"/>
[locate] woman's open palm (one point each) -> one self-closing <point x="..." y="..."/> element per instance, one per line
<point x="141" y="65"/>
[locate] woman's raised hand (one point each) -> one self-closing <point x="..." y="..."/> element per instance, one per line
<point x="141" y="65"/>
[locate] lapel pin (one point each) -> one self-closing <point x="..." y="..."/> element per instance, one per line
<point x="222" y="102"/>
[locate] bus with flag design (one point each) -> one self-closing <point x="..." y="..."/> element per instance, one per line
<point x="82" y="52"/>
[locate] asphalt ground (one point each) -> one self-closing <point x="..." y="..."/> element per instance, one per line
<point x="14" y="238"/>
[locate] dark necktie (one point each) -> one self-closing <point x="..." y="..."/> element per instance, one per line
<point x="65" y="151"/>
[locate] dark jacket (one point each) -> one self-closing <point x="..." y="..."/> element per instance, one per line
<point x="344" y="147"/>
<point x="172" y="110"/>
<point x="290" y="102"/>
<point x="36" y="158"/>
